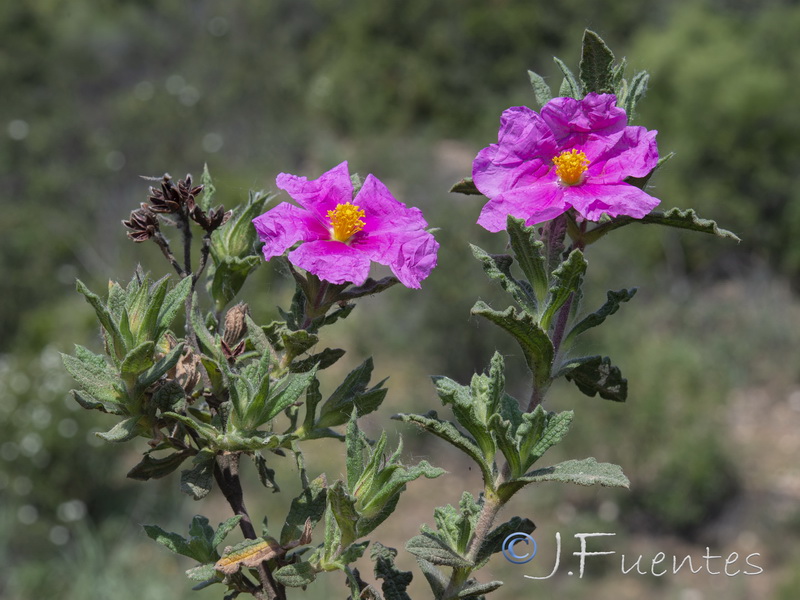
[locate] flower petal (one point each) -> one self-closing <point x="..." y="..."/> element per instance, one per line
<point x="383" y="211"/>
<point x="524" y="149"/>
<point x="592" y="200"/>
<point x="538" y="202"/>
<point x="411" y="254"/>
<point x="634" y="154"/>
<point x="573" y="120"/>
<point x="322" y="194"/>
<point x="332" y="261"/>
<point x="282" y="227"/>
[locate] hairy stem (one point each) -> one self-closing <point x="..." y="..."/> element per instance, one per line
<point x="162" y="242"/>
<point x="226" y="473"/>
<point x="204" y="252"/>
<point x="491" y="506"/>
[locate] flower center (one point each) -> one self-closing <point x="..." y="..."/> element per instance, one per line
<point x="570" y="166"/>
<point x="346" y="221"/>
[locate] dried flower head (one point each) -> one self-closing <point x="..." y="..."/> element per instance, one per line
<point x="143" y="224"/>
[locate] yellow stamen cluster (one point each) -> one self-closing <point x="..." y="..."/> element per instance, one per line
<point x="570" y="166"/>
<point x="346" y="221"/>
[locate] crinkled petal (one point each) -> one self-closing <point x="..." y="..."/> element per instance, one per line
<point x="634" y="154"/>
<point x="592" y="200"/>
<point x="541" y="201"/>
<point x="524" y="149"/>
<point x="322" y="194"/>
<point x="332" y="261"/>
<point x="283" y="226"/>
<point x="571" y="120"/>
<point x="383" y="212"/>
<point x="411" y="254"/>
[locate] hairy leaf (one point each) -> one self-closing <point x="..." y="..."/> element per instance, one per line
<point x="595" y="67"/>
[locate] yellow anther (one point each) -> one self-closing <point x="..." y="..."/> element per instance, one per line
<point x="346" y="221"/>
<point x="570" y="166"/>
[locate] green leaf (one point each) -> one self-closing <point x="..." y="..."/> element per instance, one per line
<point x="124" y="431"/>
<point x="436" y="579"/>
<point x="352" y="393"/>
<point x="352" y="553"/>
<point x="612" y="304"/>
<point x="355" y="443"/>
<point x="172" y="541"/>
<point x="494" y="541"/>
<point x="596" y="64"/>
<point x="321" y="360"/>
<point x="284" y="398"/>
<point x="310" y="504"/>
<point x="470" y="411"/>
<point x="224" y="529"/>
<point x="229" y="277"/>
<point x="368" y="288"/>
<point x="154" y="373"/>
<point x="296" y="575"/>
<point x="209" y="344"/>
<point x="117" y="345"/>
<point x="95" y="377"/>
<point x="567" y="279"/>
<point x="570" y="86"/>
<point x="91" y="403"/>
<point x="686" y="219"/>
<point x="116" y="299"/>
<point x="342" y="506"/>
<point x="257" y="336"/>
<point x="448" y="432"/>
<point x="498" y="267"/>
<point x="168" y="396"/>
<point x="529" y="253"/>
<point x="149" y="326"/>
<point x="674" y="217"/>
<point x="465" y="186"/>
<point x="155" y="468"/>
<point x="207" y="431"/>
<point x="433" y="549"/>
<point x="297" y="342"/>
<point x="173" y="302"/>
<point x="198" y="481"/>
<point x="536" y="346"/>
<point x="265" y="475"/>
<point x="504" y="435"/>
<point x="478" y="589"/>
<point x="636" y="91"/>
<point x="238" y="238"/>
<point x="540" y="89"/>
<point x="395" y="581"/>
<point x="137" y="360"/>
<point x="557" y="427"/>
<point x="596" y="375"/>
<point x="581" y="472"/>
<point x="208" y="189"/>
<point x="205" y="573"/>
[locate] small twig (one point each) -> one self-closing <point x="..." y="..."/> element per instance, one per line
<point x="226" y="473"/>
<point x="205" y="250"/>
<point x="186" y="230"/>
<point x="162" y="242"/>
<point x="301" y="464"/>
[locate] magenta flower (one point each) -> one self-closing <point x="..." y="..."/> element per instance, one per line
<point x="342" y="234"/>
<point x="575" y="154"/>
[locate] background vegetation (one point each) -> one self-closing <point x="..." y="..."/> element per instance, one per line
<point x="95" y="94"/>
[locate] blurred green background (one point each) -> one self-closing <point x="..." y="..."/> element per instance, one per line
<point x="95" y="94"/>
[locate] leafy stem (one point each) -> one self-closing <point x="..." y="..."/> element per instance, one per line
<point x="226" y="473"/>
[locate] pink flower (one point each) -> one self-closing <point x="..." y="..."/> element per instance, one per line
<point x="575" y="154"/>
<point x="342" y="234"/>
